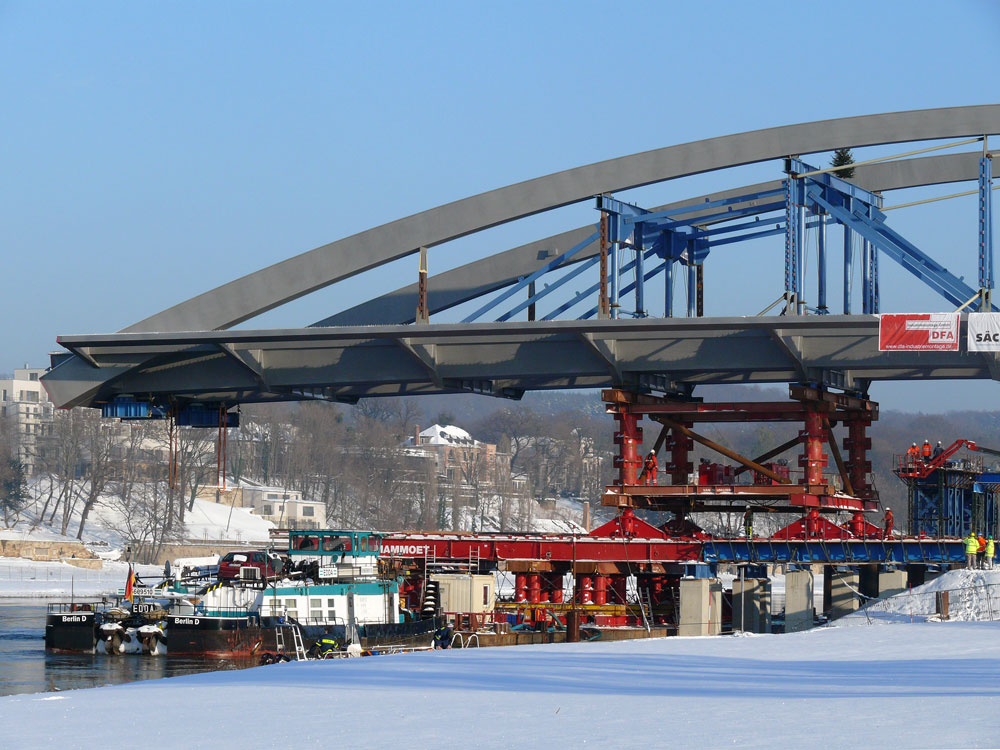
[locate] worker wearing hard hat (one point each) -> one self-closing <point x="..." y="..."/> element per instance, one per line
<point x="649" y="468"/>
<point x="938" y="450"/>
<point x="990" y="553"/>
<point x="971" y="548"/>
<point x="926" y="451"/>
<point x="912" y="454"/>
<point x="888" y="524"/>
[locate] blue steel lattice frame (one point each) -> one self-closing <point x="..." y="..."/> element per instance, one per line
<point x="859" y="210"/>
<point x="524" y="282"/>
<point x="985" y="230"/>
<point x="824" y="198"/>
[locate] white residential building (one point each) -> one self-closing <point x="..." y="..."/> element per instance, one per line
<point x="286" y="509"/>
<point x="25" y="403"/>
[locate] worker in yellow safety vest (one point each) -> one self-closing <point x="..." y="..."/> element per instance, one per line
<point x="971" y="548"/>
<point x="990" y="553"/>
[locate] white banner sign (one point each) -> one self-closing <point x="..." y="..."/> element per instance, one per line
<point x="984" y="332"/>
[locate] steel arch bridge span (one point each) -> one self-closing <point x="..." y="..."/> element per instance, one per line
<point x="350" y="363"/>
<point x="258" y="292"/>
<point x="483" y="276"/>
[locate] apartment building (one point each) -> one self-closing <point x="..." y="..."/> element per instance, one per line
<point x="24" y="402"/>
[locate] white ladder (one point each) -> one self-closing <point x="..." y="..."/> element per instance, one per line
<point x="279" y="640"/>
<point x="645" y="604"/>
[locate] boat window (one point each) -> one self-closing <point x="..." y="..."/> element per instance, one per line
<point x="308" y="542"/>
<point x="330" y="603"/>
<point x="337" y="544"/>
<point x="364" y="544"/>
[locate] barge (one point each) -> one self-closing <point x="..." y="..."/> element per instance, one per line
<point x="333" y="585"/>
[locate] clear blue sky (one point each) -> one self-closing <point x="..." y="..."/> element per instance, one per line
<point x="151" y="151"/>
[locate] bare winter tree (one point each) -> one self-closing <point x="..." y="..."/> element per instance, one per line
<point x="99" y="442"/>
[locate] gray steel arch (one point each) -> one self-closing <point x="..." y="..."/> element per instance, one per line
<point x="255" y="293"/>
<point x="466" y="282"/>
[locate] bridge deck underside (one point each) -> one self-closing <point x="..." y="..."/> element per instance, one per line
<point x="501" y="359"/>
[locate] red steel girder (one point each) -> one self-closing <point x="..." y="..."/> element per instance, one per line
<point x="565" y="549"/>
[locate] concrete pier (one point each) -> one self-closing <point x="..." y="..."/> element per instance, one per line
<point x="799" y="607"/>
<point x="843" y="594"/>
<point x="701" y="607"/>
<point x="891" y="582"/>
<point x="752" y="605"/>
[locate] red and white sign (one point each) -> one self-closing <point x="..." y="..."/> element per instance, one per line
<point x="918" y="332"/>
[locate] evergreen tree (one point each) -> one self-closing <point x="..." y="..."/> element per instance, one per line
<point x="13" y="491"/>
<point x="843" y="157"/>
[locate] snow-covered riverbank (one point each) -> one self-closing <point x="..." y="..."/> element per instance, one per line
<point x="22" y="579"/>
<point x="920" y="685"/>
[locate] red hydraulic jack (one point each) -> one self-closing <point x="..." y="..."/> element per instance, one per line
<point x="772" y="491"/>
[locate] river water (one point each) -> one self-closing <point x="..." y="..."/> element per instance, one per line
<point x="26" y="668"/>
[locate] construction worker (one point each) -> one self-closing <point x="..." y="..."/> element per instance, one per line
<point x="912" y="454"/>
<point x="442" y="637"/>
<point x="990" y="552"/>
<point x="981" y="552"/>
<point x="748" y="523"/>
<point x="326" y="646"/>
<point x="649" y="468"/>
<point x="971" y="548"/>
<point x="926" y="451"/>
<point x="887" y="528"/>
<point x="938" y="450"/>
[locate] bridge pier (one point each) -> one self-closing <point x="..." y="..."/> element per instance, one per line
<point x="773" y="486"/>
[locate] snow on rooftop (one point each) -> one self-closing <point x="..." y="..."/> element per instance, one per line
<point x="446" y="435"/>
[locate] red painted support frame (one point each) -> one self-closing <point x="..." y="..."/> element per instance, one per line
<point x="809" y="405"/>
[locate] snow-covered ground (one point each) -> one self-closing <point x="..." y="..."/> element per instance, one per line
<point x="205" y="520"/>
<point x="904" y="686"/>
<point x="974" y="595"/>
<point x="20" y="578"/>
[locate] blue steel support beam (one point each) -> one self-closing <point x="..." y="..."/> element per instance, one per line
<point x="985" y="231"/>
<point x="921" y="265"/>
<point x="854" y="551"/>
<point x="549" y="288"/>
<point x="628" y="287"/>
<point x="793" y="243"/>
<point x="866" y="274"/>
<point x="638" y="241"/>
<point x="580" y="296"/>
<point x="848" y="265"/>
<point x="875" y="295"/>
<point x="674" y="212"/>
<point x="821" y="266"/>
<point x="668" y="290"/>
<point x="614" y="259"/>
<point x="528" y="279"/>
<point x="692" y="280"/>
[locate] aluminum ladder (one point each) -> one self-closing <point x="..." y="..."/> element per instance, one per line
<point x="279" y="640"/>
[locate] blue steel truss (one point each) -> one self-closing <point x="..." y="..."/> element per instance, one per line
<point x="951" y="502"/>
<point x="647" y="243"/>
<point x="854" y="551"/>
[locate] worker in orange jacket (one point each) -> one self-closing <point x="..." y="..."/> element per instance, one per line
<point x="649" y="468"/>
<point x="926" y="451"/>
<point x="889" y="522"/>
<point x="912" y="454"/>
<point x="981" y="553"/>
